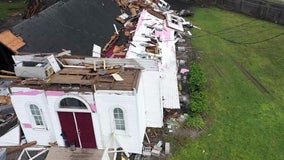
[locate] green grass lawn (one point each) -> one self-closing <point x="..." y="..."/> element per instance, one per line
<point x="277" y="1"/>
<point x="243" y="60"/>
<point x="8" y="8"/>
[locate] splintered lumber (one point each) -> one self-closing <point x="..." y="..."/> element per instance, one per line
<point x="111" y="42"/>
<point x="14" y="149"/>
<point x="118" y="49"/>
<point x="133" y="11"/>
<point x="7" y="72"/>
<point x="120" y="54"/>
<point x="4" y="76"/>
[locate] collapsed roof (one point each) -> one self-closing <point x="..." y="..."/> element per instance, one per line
<point x="77" y="74"/>
<point x="71" y="24"/>
<point x="74" y="25"/>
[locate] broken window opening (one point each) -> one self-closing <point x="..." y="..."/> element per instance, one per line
<point x="175" y="21"/>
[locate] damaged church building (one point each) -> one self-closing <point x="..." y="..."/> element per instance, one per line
<point x="106" y="101"/>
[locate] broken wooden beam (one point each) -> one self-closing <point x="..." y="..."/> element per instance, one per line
<point x="14" y="149"/>
<point x="7" y="72"/>
<point x="5" y="76"/>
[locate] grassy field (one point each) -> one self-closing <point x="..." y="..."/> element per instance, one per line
<point x="243" y="60"/>
<point x="7" y="9"/>
<point x="277" y="1"/>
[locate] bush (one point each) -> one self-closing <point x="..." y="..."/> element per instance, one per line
<point x="196" y="79"/>
<point x="197" y="97"/>
<point x="198" y="102"/>
<point x="195" y="121"/>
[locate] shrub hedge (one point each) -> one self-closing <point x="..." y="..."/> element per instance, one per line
<point x="197" y="97"/>
<point x="195" y="120"/>
<point x="196" y="79"/>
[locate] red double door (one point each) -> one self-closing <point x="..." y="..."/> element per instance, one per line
<point x="78" y="128"/>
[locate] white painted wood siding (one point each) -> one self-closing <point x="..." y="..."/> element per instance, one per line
<point x="152" y="98"/>
<point x="53" y="105"/>
<point x="20" y="102"/>
<point x="141" y="109"/>
<point x="106" y="102"/>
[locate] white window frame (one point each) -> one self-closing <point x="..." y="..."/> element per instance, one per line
<point x="33" y="119"/>
<point x="117" y="131"/>
<point x="119" y="119"/>
<point x="174" y="20"/>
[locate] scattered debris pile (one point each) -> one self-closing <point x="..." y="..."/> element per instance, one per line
<point x="131" y="11"/>
<point x="8" y="118"/>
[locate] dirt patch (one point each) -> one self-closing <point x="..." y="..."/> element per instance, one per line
<point x="188" y="132"/>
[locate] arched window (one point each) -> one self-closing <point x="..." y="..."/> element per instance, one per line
<point x="38" y="121"/>
<point x="119" y="119"/>
<point x="72" y="103"/>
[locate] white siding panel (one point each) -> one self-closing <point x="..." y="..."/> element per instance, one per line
<point x="141" y="109"/>
<point x="52" y="105"/>
<point x="97" y="129"/>
<point x="152" y="98"/>
<point x="20" y="101"/>
<point x="169" y="85"/>
<point x="169" y="90"/>
<point x="105" y="104"/>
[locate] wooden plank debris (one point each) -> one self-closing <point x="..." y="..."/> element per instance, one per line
<point x="117" y="77"/>
<point x="14" y="149"/>
<point x="111" y="42"/>
<point x="133" y="9"/>
<point x="7" y="74"/>
<point x="12" y="41"/>
<point x="122" y="18"/>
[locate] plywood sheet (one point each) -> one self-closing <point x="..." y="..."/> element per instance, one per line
<point x="11" y="41"/>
